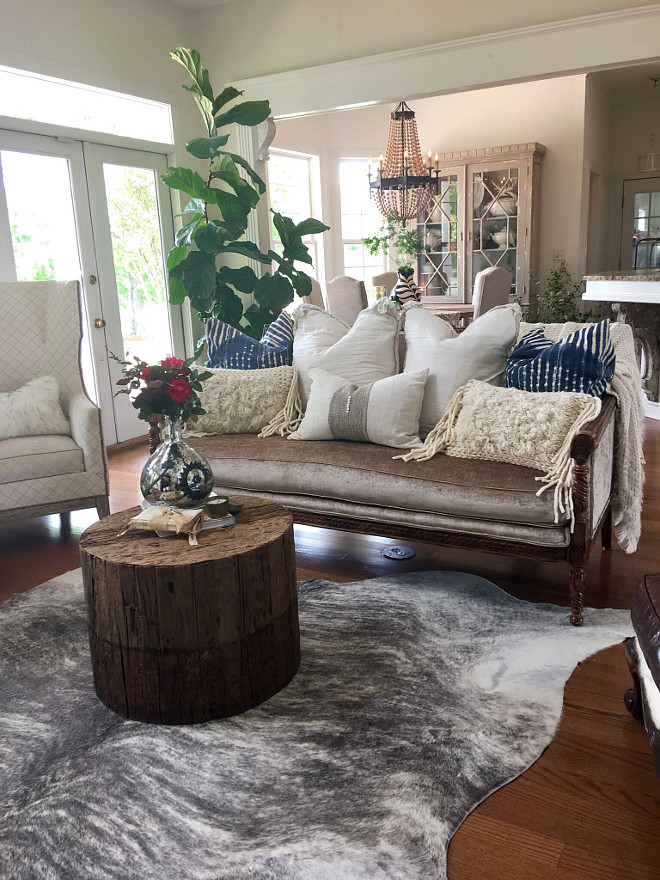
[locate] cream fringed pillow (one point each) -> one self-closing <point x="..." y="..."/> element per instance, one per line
<point x="385" y="412"/>
<point x="532" y="429"/>
<point x="244" y="401"/>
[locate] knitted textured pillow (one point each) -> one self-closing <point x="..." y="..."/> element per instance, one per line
<point x="583" y="361"/>
<point x="531" y="429"/>
<point x="243" y="401"/>
<point x="33" y="410"/>
<point x="229" y="349"/>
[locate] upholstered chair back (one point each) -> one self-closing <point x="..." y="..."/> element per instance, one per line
<point x="345" y="297"/>
<point x="316" y="296"/>
<point x="386" y="280"/>
<point x="492" y="287"/>
<point x="40" y="332"/>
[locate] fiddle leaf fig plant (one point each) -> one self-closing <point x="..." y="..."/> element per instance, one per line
<point x="216" y="220"/>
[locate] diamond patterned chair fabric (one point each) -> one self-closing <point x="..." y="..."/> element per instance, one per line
<point x="40" y="335"/>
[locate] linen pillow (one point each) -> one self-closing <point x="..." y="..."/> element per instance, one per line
<point x="241" y="401"/>
<point x="366" y="352"/>
<point x="33" y="410"/>
<point x="519" y="427"/>
<point x="583" y="361"/>
<point x="385" y="411"/>
<point x="229" y="349"/>
<point x="314" y="332"/>
<point x="480" y="352"/>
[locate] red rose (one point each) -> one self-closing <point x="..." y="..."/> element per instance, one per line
<point x="145" y="373"/>
<point x="179" y="390"/>
<point x="172" y="362"/>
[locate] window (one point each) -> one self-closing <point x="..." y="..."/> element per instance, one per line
<point x="293" y="186"/>
<point x="359" y="218"/>
<point x="26" y="95"/>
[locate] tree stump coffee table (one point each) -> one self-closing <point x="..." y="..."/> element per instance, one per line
<point x="182" y="634"/>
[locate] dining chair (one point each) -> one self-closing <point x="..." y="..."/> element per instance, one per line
<point x="315" y="298"/>
<point x="346" y="297"/>
<point x="386" y="280"/>
<point x="492" y="287"/>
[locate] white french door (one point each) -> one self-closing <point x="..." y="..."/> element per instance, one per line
<point x="102" y="214"/>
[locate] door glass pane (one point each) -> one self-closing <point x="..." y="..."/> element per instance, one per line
<point x="138" y="261"/>
<point x="43" y="227"/>
<point x="438" y="226"/>
<point x="495" y="224"/>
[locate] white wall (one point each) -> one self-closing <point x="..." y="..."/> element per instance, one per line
<point x="550" y="112"/>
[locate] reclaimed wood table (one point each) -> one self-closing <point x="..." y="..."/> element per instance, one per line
<point x="181" y="634"/>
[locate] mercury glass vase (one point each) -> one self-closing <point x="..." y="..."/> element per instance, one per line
<point x="175" y="474"/>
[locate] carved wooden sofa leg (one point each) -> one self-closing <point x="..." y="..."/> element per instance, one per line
<point x="576" y="588"/>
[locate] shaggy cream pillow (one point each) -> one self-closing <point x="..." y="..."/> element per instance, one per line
<point x="529" y="428"/>
<point x="242" y="401"/>
<point x="33" y="410"/>
<point x="384" y="412"/>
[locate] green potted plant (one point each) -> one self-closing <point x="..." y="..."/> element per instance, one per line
<point x="217" y="220"/>
<point x="408" y="245"/>
<point x="561" y="298"/>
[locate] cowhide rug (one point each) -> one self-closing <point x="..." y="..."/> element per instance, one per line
<point x="417" y="696"/>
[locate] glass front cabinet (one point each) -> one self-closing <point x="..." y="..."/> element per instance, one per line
<point x="485" y="214"/>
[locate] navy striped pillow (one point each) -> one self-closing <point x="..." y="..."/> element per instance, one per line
<point x="229" y="349"/>
<point x="583" y="361"/>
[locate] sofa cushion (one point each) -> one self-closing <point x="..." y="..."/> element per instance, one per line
<point x="480" y="352"/>
<point x="366" y="473"/>
<point x="583" y="361"/>
<point x="384" y="412"/>
<point x="30" y="458"/>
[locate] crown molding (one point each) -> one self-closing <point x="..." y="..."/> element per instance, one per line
<point x="570" y="46"/>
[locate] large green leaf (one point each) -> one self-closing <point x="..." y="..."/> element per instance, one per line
<point x="193" y="207"/>
<point x="245" y="249"/>
<point x="296" y="251"/>
<point x="205" y="108"/>
<point x="184" y="235"/>
<point x="232" y="208"/>
<point x="284" y="229"/>
<point x="242" y="279"/>
<point x="227" y="306"/>
<point x="207" y="237"/>
<point x="205" y="148"/>
<point x="226" y="95"/>
<point x="310" y="227"/>
<point x="176" y="255"/>
<point x="190" y="182"/>
<point x="199" y="274"/>
<point x="245" y="113"/>
<point x="239" y="160"/>
<point x="177" y="291"/>
<point x="224" y="168"/>
<point x="302" y="283"/>
<point x="192" y="61"/>
<point x="273" y="292"/>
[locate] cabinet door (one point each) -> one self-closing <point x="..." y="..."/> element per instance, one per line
<point x="494" y="203"/>
<point x="441" y="226"/>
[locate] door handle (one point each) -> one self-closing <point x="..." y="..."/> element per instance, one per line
<point x="99" y="323"/>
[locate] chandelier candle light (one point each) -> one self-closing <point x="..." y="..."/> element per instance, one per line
<point x="404" y="184"/>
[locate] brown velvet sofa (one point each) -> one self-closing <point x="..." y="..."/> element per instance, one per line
<point x="455" y="502"/>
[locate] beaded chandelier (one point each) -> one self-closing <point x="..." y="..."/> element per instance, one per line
<point x="404" y="185"/>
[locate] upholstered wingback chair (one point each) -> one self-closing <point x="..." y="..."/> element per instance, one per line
<point x="40" y="335"/>
<point x="345" y="298"/>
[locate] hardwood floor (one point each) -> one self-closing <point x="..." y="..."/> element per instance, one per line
<point x="589" y="809"/>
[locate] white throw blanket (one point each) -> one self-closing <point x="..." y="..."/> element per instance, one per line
<point x="626" y="386"/>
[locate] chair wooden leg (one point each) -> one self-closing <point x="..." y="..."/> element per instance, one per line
<point x="65" y="520"/>
<point x="102" y="506"/>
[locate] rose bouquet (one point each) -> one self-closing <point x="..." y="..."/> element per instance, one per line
<point x="168" y="388"/>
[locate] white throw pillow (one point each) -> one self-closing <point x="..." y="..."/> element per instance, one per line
<point x="384" y="412"/>
<point x="314" y="331"/>
<point x="479" y="352"/>
<point x="33" y="410"/>
<point x="366" y="352"/>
